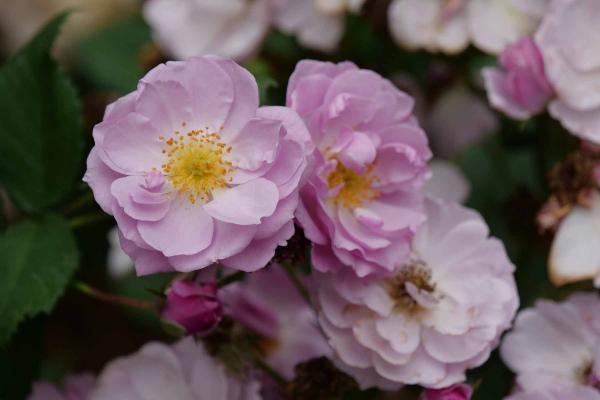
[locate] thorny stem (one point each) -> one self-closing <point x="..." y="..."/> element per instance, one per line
<point x="114" y="299"/>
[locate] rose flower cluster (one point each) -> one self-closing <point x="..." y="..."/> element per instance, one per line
<point x="315" y="230"/>
<point x="406" y="288"/>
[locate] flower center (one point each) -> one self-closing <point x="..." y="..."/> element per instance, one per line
<point x="572" y="180"/>
<point x="411" y="289"/>
<point x="355" y="189"/>
<point x="588" y="377"/>
<point x="196" y="164"/>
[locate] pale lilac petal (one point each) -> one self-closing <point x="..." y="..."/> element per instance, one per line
<point x="358" y="151"/>
<point x="146" y="261"/>
<point x="289" y="169"/>
<point x="281" y="216"/>
<point x="256" y="144"/>
<point x="494" y="24"/>
<point x="186" y="229"/>
<point x="230" y="29"/>
<point x="558" y="393"/>
<point x="521" y="89"/>
<point x="133" y="145"/>
<point x="260" y="252"/>
<point x="228" y="239"/>
<point x="245" y="89"/>
<point x="100" y="177"/>
<point x="148" y="206"/>
<point x="294" y="126"/>
<point x="244" y="204"/>
<point x="555" y="339"/>
<point x="575" y="255"/>
<point x="447" y="182"/>
<point x="166" y="103"/>
<point x="312" y="27"/>
<point x="418" y="24"/>
<point x="572" y="69"/>
<point x="585" y="124"/>
<point x="499" y="95"/>
<point x="183" y="371"/>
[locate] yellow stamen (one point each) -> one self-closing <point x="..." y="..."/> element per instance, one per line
<point x="195" y="164"/>
<point x="356" y="189"/>
<point x="416" y="273"/>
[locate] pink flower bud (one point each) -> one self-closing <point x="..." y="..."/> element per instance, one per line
<point x="520" y="89"/>
<point x="460" y="391"/>
<point x="193" y="306"/>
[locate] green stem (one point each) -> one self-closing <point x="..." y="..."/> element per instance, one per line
<point x="231" y="278"/>
<point x="260" y="364"/>
<point x="298" y="284"/>
<point x="114" y="299"/>
<point x="87" y="219"/>
<point x="84" y="199"/>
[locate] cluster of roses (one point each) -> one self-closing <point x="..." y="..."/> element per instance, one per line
<point x="405" y="288"/>
<point x="236" y="28"/>
<point x="408" y="289"/>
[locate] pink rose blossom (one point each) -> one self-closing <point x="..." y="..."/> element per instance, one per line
<point x="193" y="306"/>
<point x="186" y="28"/>
<point x="564" y="393"/>
<point x="572" y="68"/>
<point x="317" y="24"/>
<point x="183" y="371"/>
<point x="520" y="88"/>
<point x="194" y="172"/>
<point x="450" y="25"/>
<point x="433" y="316"/>
<point x="447" y="182"/>
<point x="76" y="387"/>
<point x="362" y="204"/>
<point x="268" y="303"/>
<point x="555" y="343"/>
<point x="455" y="392"/>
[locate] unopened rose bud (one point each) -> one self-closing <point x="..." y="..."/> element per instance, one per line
<point x="455" y="392"/>
<point x="520" y="88"/>
<point x="193" y="306"/>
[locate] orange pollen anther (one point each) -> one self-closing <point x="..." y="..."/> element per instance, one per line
<point x="356" y="189"/>
<point x="196" y="165"/>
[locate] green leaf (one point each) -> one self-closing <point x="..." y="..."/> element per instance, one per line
<point x="486" y="167"/>
<point x="37" y="259"/>
<point x="110" y="58"/>
<point x="264" y="79"/>
<point x="2" y="215"/>
<point x="41" y="125"/>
